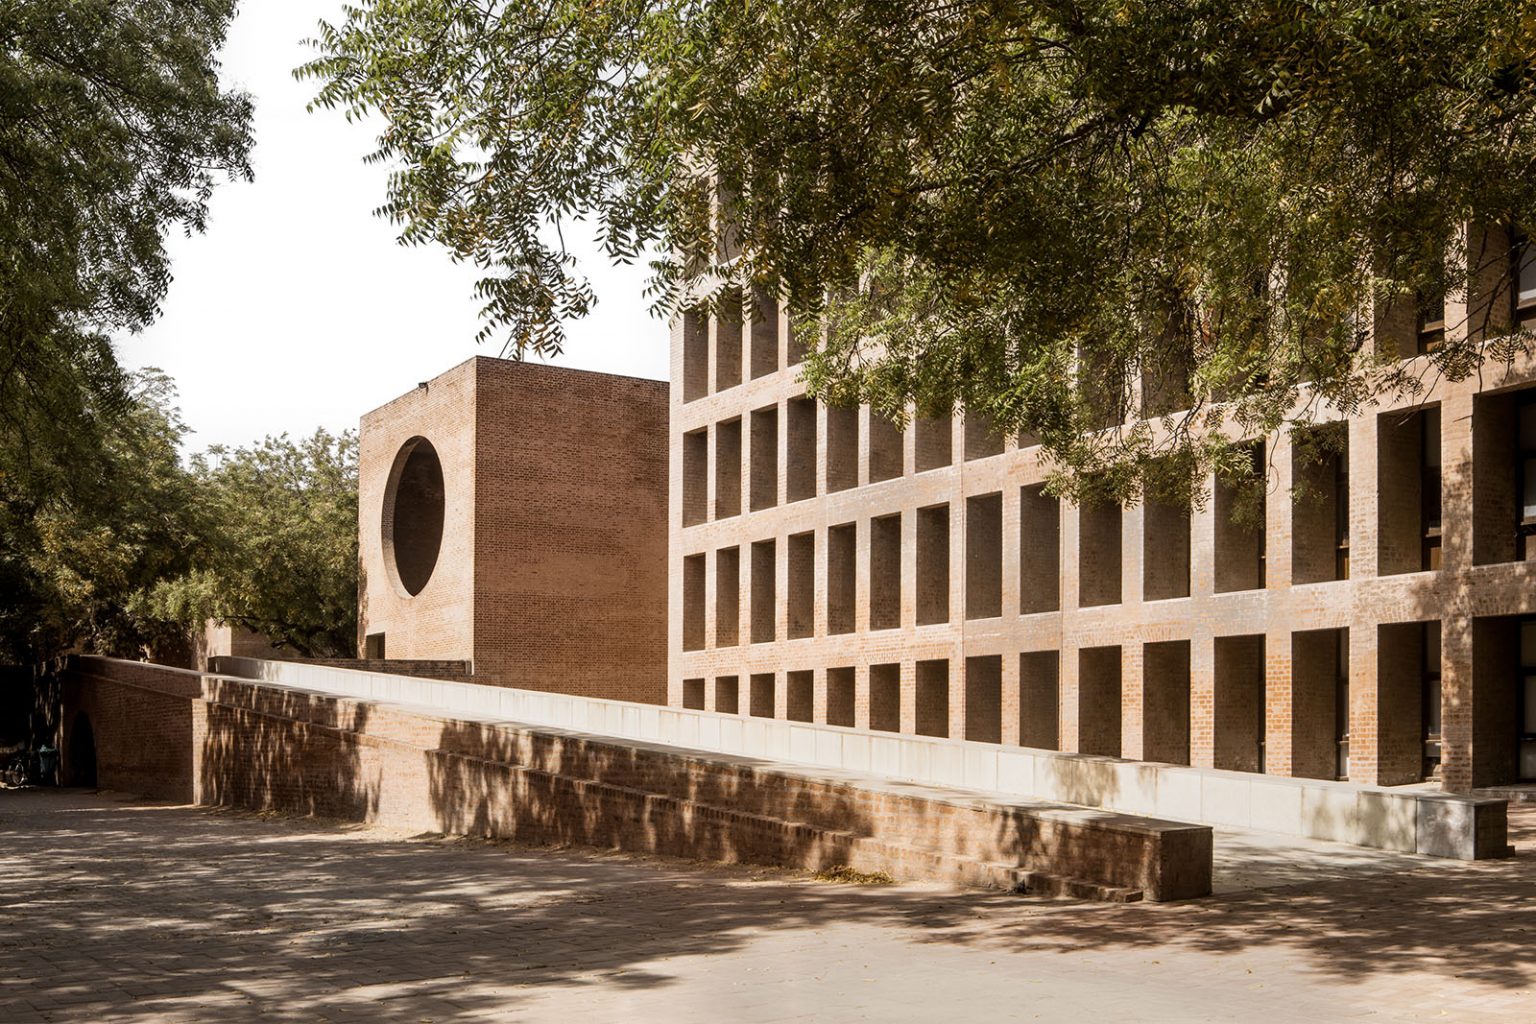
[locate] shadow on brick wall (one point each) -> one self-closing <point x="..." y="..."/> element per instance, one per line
<point x="569" y="789"/>
<point x="266" y="748"/>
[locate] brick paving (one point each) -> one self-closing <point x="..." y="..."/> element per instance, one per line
<point x="113" y="909"/>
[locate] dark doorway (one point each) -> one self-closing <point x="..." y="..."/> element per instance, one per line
<point x="82" y="753"/>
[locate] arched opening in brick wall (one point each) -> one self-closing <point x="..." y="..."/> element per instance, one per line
<point x="413" y="515"/>
<point x="81" y="767"/>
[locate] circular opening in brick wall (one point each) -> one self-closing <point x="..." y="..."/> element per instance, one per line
<point x="413" y="515"/>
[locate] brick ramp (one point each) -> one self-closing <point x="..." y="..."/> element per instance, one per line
<point x="261" y="746"/>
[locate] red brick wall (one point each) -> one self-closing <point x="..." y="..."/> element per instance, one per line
<point x="571" y="531"/>
<point x="146" y="722"/>
<point x="552" y="573"/>
<point x="222" y="741"/>
<point x="437" y="623"/>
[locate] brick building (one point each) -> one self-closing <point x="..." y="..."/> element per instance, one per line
<point x="829" y="567"/>
<point x="512" y="516"/>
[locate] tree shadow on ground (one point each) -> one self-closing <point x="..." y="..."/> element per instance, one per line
<point x="135" y="911"/>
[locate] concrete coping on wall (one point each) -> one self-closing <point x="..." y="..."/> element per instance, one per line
<point x="1403" y="819"/>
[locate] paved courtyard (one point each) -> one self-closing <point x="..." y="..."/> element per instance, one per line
<point x="113" y="909"/>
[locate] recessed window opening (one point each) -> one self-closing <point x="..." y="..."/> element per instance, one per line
<point x="841" y="698"/>
<point x="1039" y="551"/>
<point x="728" y="341"/>
<point x="933" y="698"/>
<point x="728" y="597"/>
<point x="933" y="565"/>
<point x="765" y="458"/>
<point x="886" y="442"/>
<point x="802" y="585"/>
<point x="885" y="572"/>
<point x="413" y="513"/>
<point x="885" y="698"/>
<point x="1431" y="325"/>
<point x="1523" y="271"/>
<point x="800" y="470"/>
<point x="1525" y="512"/>
<point x="984" y="556"/>
<point x="765" y="332"/>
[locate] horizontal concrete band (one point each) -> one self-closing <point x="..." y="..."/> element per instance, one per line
<point x="1405" y="820"/>
<point x="256" y="744"/>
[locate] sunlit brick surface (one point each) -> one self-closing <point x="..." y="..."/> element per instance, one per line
<point x="552" y="571"/>
<point x="1282" y="643"/>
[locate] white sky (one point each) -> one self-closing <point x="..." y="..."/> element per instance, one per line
<point x="297" y="309"/>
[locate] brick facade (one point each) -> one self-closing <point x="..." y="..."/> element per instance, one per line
<point x="216" y="740"/>
<point x="551" y="569"/>
<point x="923" y="581"/>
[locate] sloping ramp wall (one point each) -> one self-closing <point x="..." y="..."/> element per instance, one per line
<point x="218" y="739"/>
<point x="1403" y="819"/>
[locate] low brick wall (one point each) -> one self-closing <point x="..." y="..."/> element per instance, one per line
<point x="456" y="671"/>
<point x="1403" y="819"/>
<point x="239" y="742"/>
<point x="148" y="723"/>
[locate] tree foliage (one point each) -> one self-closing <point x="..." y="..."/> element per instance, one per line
<point x="1011" y="206"/>
<point x="113" y="130"/>
<point x="74" y="557"/>
<point x="280" y="553"/>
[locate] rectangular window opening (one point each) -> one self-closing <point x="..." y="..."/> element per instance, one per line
<point x="765" y="458"/>
<point x="933" y="698"/>
<point x="935" y="440"/>
<point x="1504" y="477"/>
<point x="1165" y="549"/>
<point x="886" y="442"/>
<point x="885" y="572"/>
<point x="1098" y="701"/>
<point x="728" y="469"/>
<point x="1320" y="704"/>
<point x="802" y="585"/>
<point x="1098" y="554"/>
<point x="932" y="565"/>
<point x="727" y="695"/>
<point x="1241" y="535"/>
<point x="885" y="698"/>
<point x="764" y="626"/>
<point x="984" y="556"/>
<point x="984" y="699"/>
<point x="841" y="697"/>
<point x="727" y="323"/>
<point x="1040" y="700"/>
<point x="800" y="471"/>
<point x="727" y="597"/>
<point x="842" y="578"/>
<point x="1408" y="510"/>
<point x="1039" y="551"/>
<point x="1165" y="702"/>
<point x="693" y="694"/>
<point x="982" y="440"/>
<point x="695" y="477"/>
<point x="800" y="696"/>
<point x="762" y="695"/>
<point x="1320" y="505"/>
<point x="693" y="603"/>
<point x="695" y="354"/>
<point x="765" y="332"/>
<point x="842" y="447"/>
<point x="1238" y="703"/>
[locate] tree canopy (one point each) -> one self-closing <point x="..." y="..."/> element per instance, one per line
<point x="75" y="557"/>
<point x="113" y="130"/>
<point x="279" y="555"/>
<point x="1010" y="206"/>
